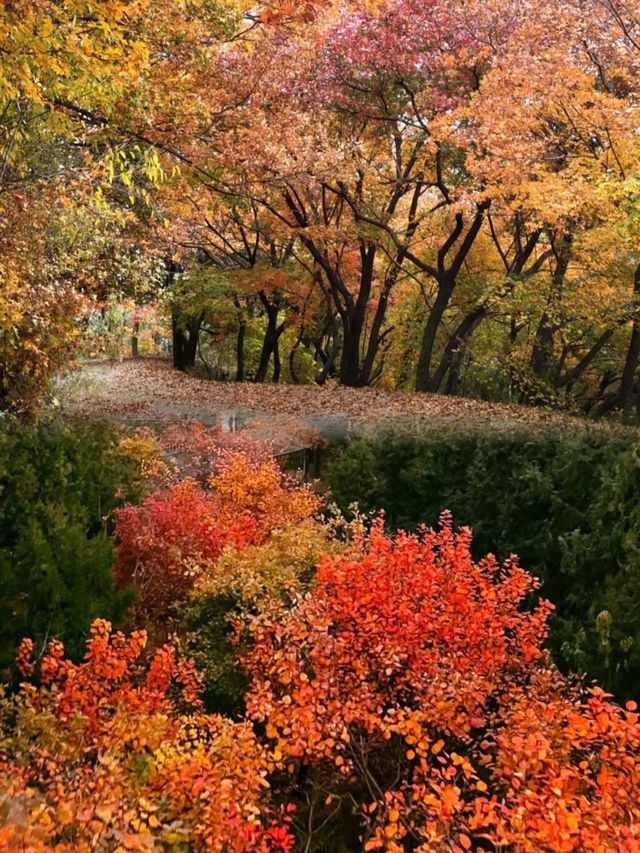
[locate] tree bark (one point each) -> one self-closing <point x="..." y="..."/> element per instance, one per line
<point x="629" y="373"/>
<point x="240" y="361"/>
<point x="185" y="339"/>
<point x="134" y="340"/>
<point x="542" y="353"/>
<point x="459" y="242"/>
<point x="423" y="374"/>
<point x="353" y="371"/>
<point x="270" y="344"/>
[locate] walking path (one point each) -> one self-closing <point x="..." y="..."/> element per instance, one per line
<point x="148" y="392"/>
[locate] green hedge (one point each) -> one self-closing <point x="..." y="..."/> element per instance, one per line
<point x="58" y="487"/>
<point x="568" y="506"/>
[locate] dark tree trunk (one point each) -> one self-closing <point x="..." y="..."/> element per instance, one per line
<point x="569" y="379"/>
<point x="185" y="340"/>
<point x="350" y="356"/>
<point x="240" y="339"/>
<point x="277" y="367"/>
<point x="351" y="310"/>
<point x="240" y="362"/>
<point x="542" y="353"/>
<point x="460" y="242"/>
<point x="134" y="340"/>
<point x="423" y="374"/>
<point x="331" y="355"/>
<point x="353" y="371"/>
<point x="292" y="357"/>
<point x="628" y="384"/>
<point x="270" y="344"/>
<point x="455" y="350"/>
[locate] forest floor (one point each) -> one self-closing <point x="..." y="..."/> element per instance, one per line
<point x="148" y="392"/>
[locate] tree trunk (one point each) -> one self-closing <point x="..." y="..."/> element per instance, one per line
<point x="240" y="362"/>
<point x="270" y="344"/>
<point x="542" y="353"/>
<point x="292" y="357"/>
<point x="350" y="355"/>
<point x="185" y="339"/>
<point x="455" y="350"/>
<point x="134" y="340"/>
<point x="628" y="384"/>
<point x="330" y="360"/>
<point x="353" y="371"/>
<point x="277" y="367"/>
<point x="423" y="374"/>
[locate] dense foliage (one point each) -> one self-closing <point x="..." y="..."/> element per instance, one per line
<point x="202" y="550"/>
<point x="404" y="702"/>
<point x="412" y="682"/>
<point x="115" y="754"/>
<point x="447" y="201"/>
<point x="176" y="536"/>
<point x="567" y="505"/>
<point x="58" y="487"/>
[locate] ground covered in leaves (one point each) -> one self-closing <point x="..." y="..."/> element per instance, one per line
<point x="148" y="392"/>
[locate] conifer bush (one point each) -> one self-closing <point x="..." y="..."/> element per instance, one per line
<point x="58" y="487"/>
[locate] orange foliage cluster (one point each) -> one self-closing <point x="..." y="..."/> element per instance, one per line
<point x="207" y="449"/>
<point x="412" y="678"/>
<point x="113" y="754"/>
<point x="164" y="542"/>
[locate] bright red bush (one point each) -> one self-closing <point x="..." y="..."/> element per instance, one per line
<point x="413" y="680"/>
<point x="161" y="541"/>
<point x="164" y="543"/>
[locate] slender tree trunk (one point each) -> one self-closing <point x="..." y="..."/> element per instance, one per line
<point x="134" y="340"/>
<point x="240" y="339"/>
<point x="353" y="372"/>
<point x="542" y="353"/>
<point x="455" y="350"/>
<point x="270" y="344"/>
<point x="277" y="366"/>
<point x="292" y="357"/>
<point x="332" y="354"/>
<point x="573" y="375"/>
<point x="265" y="356"/>
<point x="423" y="374"/>
<point x="269" y="339"/>
<point x="240" y="360"/>
<point x="629" y="373"/>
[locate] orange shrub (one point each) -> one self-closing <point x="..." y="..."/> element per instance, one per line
<point x="164" y="543"/>
<point x="412" y="681"/>
<point x="114" y="754"/>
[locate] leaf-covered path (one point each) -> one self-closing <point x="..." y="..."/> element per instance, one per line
<point x="147" y="392"/>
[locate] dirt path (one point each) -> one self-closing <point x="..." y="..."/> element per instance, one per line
<point x="148" y="392"/>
